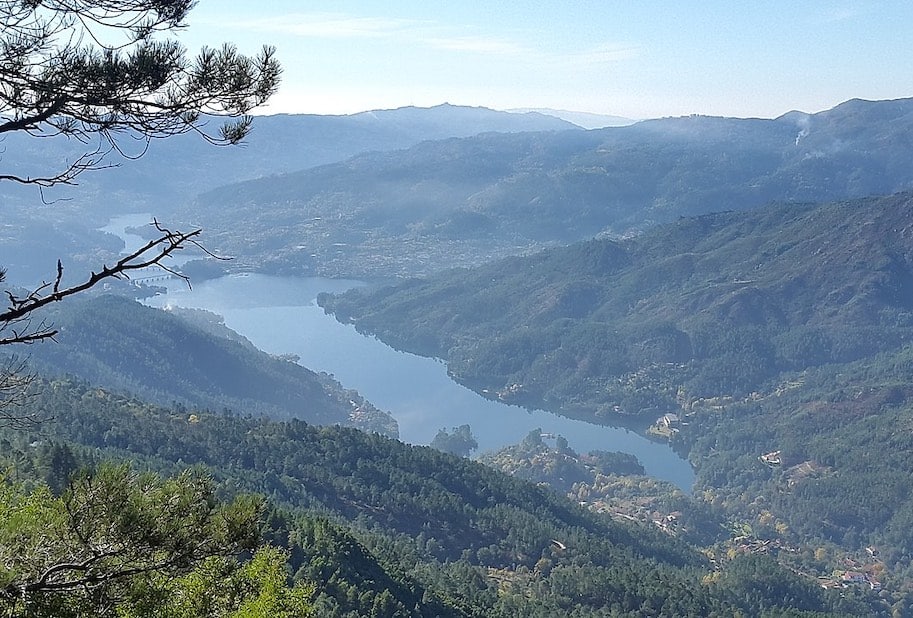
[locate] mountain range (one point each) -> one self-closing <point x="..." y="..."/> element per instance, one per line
<point x="464" y="201"/>
<point x="410" y="191"/>
<point x="724" y="282"/>
<point x="170" y="172"/>
<point x="40" y="227"/>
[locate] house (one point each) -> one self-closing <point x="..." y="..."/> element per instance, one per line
<point x="853" y="577"/>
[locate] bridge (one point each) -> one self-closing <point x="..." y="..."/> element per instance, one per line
<point x="150" y="274"/>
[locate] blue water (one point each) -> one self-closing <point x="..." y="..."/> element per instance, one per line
<point x="280" y="315"/>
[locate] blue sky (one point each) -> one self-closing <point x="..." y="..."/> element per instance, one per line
<point x="637" y="58"/>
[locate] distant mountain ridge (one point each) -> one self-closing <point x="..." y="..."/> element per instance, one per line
<point x="172" y="171"/>
<point x="463" y="201"/>
<point x="585" y="120"/>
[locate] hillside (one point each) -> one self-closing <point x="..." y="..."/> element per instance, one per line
<point x="278" y="144"/>
<point x="721" y="302"/>
<point x="194" y="360"/>
<point x="781" y="332"/>
<point x="461" y="202"/>
<point x="386" y="529"/>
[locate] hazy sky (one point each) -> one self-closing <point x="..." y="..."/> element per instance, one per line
<point x="637" y="58"/>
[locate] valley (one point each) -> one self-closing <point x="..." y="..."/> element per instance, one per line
<point x="416" y="391"/>
<point x="766" y="344"/>
<point x="302" y="324"/>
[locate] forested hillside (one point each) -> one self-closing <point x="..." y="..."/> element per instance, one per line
<point x="461" y="202"/>
<point x="190" y="357"/>
<point x="384" y="529"/>
<point x="772" y="346"/>
<point x="715" y="305"/>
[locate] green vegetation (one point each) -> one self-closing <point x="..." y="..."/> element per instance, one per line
<point x="119" y="543"/>
<point x="772" y="347"/>
<point x="190" y="357"/>
<point x="840" y="477"/>
<point x="372" y="527"/>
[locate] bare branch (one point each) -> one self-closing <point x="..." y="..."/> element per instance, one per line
<point x="151" y="254"/>
<point x="29" y="122"/>
<point x="68" y="176"/>
<point x="16" y="390"/>
<point x="29" y="337"/>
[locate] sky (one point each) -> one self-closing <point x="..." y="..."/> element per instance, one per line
<point x="636" y="59"/>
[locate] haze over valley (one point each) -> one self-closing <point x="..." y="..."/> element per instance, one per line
<point x="621" y="326"/>
<point x="445" y="360"/>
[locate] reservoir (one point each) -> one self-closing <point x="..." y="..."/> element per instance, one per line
<point x="280" y="316"/>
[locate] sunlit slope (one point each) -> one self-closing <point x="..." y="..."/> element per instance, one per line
<point x="466" y="201"/>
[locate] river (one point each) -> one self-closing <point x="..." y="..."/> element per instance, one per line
<point x="280" y="315"/>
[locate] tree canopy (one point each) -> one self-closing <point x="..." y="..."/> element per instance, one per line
<point x="109" y="527"/>
<point x="106" y="76"/>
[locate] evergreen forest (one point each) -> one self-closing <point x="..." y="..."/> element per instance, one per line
<point x="739" y="291"/>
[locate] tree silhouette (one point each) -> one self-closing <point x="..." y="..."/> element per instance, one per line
<point x="103" y="74"/>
